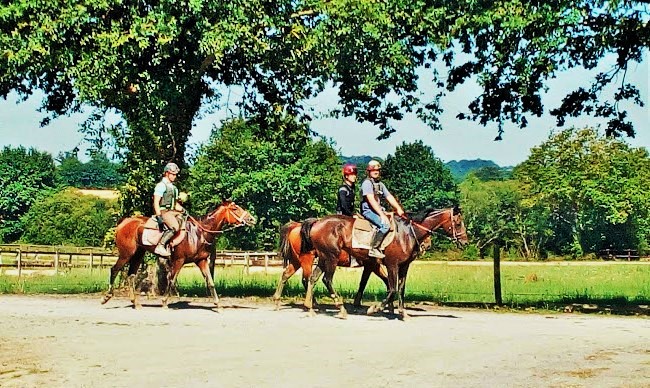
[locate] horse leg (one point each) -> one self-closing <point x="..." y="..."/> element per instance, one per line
<point x="288" y="272"/>
<point x="209" y="283"/>
<point x="309" y="295"/>
<point x="401" y="289"/>
<point x="338" y="301"/>
<point x="174" y="268"/>
<point x="125" y="255"/>
<point x="367" y="270"/>
<point x="392" y="289"/>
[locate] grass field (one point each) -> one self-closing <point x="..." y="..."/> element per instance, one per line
<point x="442" y="282"/>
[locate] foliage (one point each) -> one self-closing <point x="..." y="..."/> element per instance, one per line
<point x="494" y="213"/>
<point x="157" y="63"/>
<point x="592" y="187"/>
<point x="418" y="179"/>
<point x="24" y="175"/>
<point x="272" y="168"/>
<point x="69" y="218"/>
<point x="97" y="173"/>
<point x="492" y="173"/>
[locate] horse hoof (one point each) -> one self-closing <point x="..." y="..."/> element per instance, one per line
<point x="342" y="315"/>
<point x="137" y="306"/>
<point x="106" y="298"/>
<point x="311" y="313"/>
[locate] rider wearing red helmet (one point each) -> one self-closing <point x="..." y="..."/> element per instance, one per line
<point x="345" y="202"/>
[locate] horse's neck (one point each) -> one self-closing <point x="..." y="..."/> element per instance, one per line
<point x="215" y="222"/>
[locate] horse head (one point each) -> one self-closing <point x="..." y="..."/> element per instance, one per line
<point x="450" y="220"/>
<point x="236" y="215"/>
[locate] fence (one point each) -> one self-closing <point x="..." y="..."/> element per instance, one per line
<point x="620" y="254"/>
<point x="18" y="258"/>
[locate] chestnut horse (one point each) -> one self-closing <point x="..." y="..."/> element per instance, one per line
<point x="291" y="250"/>
<point x="195" y="247"/>
<point x="332" y="235"/>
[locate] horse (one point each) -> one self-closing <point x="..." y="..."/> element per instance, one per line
<point x="194" y="248"/>
<point x="332" y="235"/>
<point x="294" y="258"/>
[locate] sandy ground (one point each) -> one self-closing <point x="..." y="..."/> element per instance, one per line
<point x="76" y="342"/>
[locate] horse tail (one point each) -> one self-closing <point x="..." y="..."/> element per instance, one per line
<point x="305" y="238"/>
<point x="285" y="242"/>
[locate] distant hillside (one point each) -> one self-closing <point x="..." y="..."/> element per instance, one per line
<point x="359" y="160"/>
<point x="459" y="169"/>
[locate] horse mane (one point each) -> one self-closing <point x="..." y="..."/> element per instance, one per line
<point x="422" y="214"/>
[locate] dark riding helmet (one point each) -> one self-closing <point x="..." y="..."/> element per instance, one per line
<point x="349" y="169"/>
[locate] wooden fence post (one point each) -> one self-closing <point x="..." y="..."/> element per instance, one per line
<point x="20" y="263"/>
<point x="56" y="261"/>
<point x="247" y="263"/>
<point x="266" y="262"/>
<point x="496" y="254"/>
<point x="91" y="261"/>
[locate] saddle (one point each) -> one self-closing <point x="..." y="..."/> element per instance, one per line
<point x="151" y="234"/>
<point x="363" y="232"/>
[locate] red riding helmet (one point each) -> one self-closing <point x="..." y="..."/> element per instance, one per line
<point x="350" y="169"/>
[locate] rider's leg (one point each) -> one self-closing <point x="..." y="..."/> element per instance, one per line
<point x="380" y="233"/>
<point x="171" y="221"/>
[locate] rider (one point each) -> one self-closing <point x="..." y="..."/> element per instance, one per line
<point x="167" y="207"/>
<point x="345" y="203"/>
<point x="372" y="190"/>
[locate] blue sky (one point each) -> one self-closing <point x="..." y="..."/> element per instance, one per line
<point x="19" y="125"/>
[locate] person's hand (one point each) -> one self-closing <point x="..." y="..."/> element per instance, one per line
<point x="161" y="223"/>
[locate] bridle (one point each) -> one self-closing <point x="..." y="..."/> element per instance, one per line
<point x="454" y="232"/>
<point x="240" y="219"/>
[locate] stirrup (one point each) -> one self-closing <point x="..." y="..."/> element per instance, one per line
<point x="374" y="252"/>
<point x="162" y="251"/>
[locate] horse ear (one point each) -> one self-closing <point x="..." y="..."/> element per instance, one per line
<point x="457" y="209"/>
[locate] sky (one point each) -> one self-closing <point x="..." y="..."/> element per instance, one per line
<point x="19" y="125"/>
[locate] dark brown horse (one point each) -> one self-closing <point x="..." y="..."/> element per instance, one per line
<point x="194" y="248"/>
<point x="295" y="259"/>
<point x="331" y="235"/>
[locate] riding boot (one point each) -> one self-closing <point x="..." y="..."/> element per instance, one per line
<point x="162" y="249"/>
<point x="376" y="243"/>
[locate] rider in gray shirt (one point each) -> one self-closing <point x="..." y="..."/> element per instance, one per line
<point x="372" y="190"/>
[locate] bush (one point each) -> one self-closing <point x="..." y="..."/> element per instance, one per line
<point x="69" y="218"/>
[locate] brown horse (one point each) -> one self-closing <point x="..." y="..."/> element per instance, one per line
<point x="295" y="259"/>
<point x="195" y="247"/>
<point x="331" y="235"/>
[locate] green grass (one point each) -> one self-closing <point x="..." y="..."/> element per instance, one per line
<point x="447" y="282"/>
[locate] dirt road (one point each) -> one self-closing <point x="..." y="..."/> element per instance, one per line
<point x="76" y="342"/>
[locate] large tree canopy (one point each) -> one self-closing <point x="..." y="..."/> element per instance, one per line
<point x="158" y="62"/>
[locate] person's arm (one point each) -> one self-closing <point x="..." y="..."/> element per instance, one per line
<point x="178" y="207"/>
<point x="156" y="204"/>
<point x="393" y="202"/>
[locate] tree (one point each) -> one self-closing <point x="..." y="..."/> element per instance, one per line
<point x="273" y="169"/>
<point x="97" y="173"/>
<point x="418" y="179"/>
<point x="594" y="189"/>
<point x="495" y="212"/>
<point x="69" y="218"/>
<point x="24" y="175"/>
<point x="158" y="62"/>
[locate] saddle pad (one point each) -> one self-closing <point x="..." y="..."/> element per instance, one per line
<point x="363" y="231"/>
<point x="151" y="236"/>
<point x="151" y="223"/>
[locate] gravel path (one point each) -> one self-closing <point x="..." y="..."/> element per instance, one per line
<point x="72" y="341"/>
